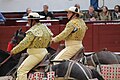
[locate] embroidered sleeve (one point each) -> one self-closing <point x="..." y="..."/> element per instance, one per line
<point x="69" y="28"/>
<point x="24" y="43"/>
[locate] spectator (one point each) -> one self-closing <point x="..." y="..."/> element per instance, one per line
<point x="28" y="10"/>
<point x="116" y="13"/>
<point x="91" y="15"/>
<point x="48" y="15"/>
<point x="2" y="18"/>
<point x="105" y="14"/>
<point x="78" y="6"/>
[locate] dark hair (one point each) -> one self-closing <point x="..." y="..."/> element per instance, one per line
<point x="37" y="20"/>
<point x="105" y="7"/>
<point x="77" y="15"/>
<point x="118" y="7"/>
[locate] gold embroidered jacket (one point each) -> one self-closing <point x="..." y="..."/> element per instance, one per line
<point x="67" y="34"/>
<point x="38" y="36"/>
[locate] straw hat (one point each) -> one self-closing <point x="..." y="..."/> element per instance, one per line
<point x="74" y="9"/>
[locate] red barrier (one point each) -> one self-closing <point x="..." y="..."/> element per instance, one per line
<point x="103" y="34"/>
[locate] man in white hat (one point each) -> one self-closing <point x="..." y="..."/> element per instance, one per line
<point x="36" y="40"/>
<point x="73" y="34"/>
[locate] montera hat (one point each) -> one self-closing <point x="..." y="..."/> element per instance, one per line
<point x="34" y="15"/>
<point x="74" y="9"/>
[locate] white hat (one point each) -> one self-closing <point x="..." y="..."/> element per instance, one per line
<point x="74" y="9"/>
<point x="34" y="15"/>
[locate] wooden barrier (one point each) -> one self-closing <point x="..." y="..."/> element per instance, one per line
<point x="6" y="33"/>
<point x="106" y="35"/>
<point x="100" y="34"/>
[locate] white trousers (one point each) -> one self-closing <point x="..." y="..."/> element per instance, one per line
<point x="35" y="56"/>
<point x="71" y="48"/>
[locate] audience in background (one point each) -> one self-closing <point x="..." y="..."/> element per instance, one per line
<point x="2" y="18"/>
<point x="88" y="15"/>
<point x="91" y="14"/>
<point x="116" y="13"/>
<point x="28" y="10"/>
<point x="105" y="14"/>
<point x="48" y="15"/>
<point x="78" y="6"/>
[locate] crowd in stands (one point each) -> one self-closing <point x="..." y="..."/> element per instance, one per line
<point x="104" y="14"/>
<point x="90" y="15"/>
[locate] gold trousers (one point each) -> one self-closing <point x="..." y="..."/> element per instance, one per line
<point x="71" y="48"/>
<point x="35" y="56"/>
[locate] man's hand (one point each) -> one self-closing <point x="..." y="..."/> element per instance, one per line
<point x="92" y="19"/>
<point x="11" y="53"/>
<point x="53" y="40"/>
